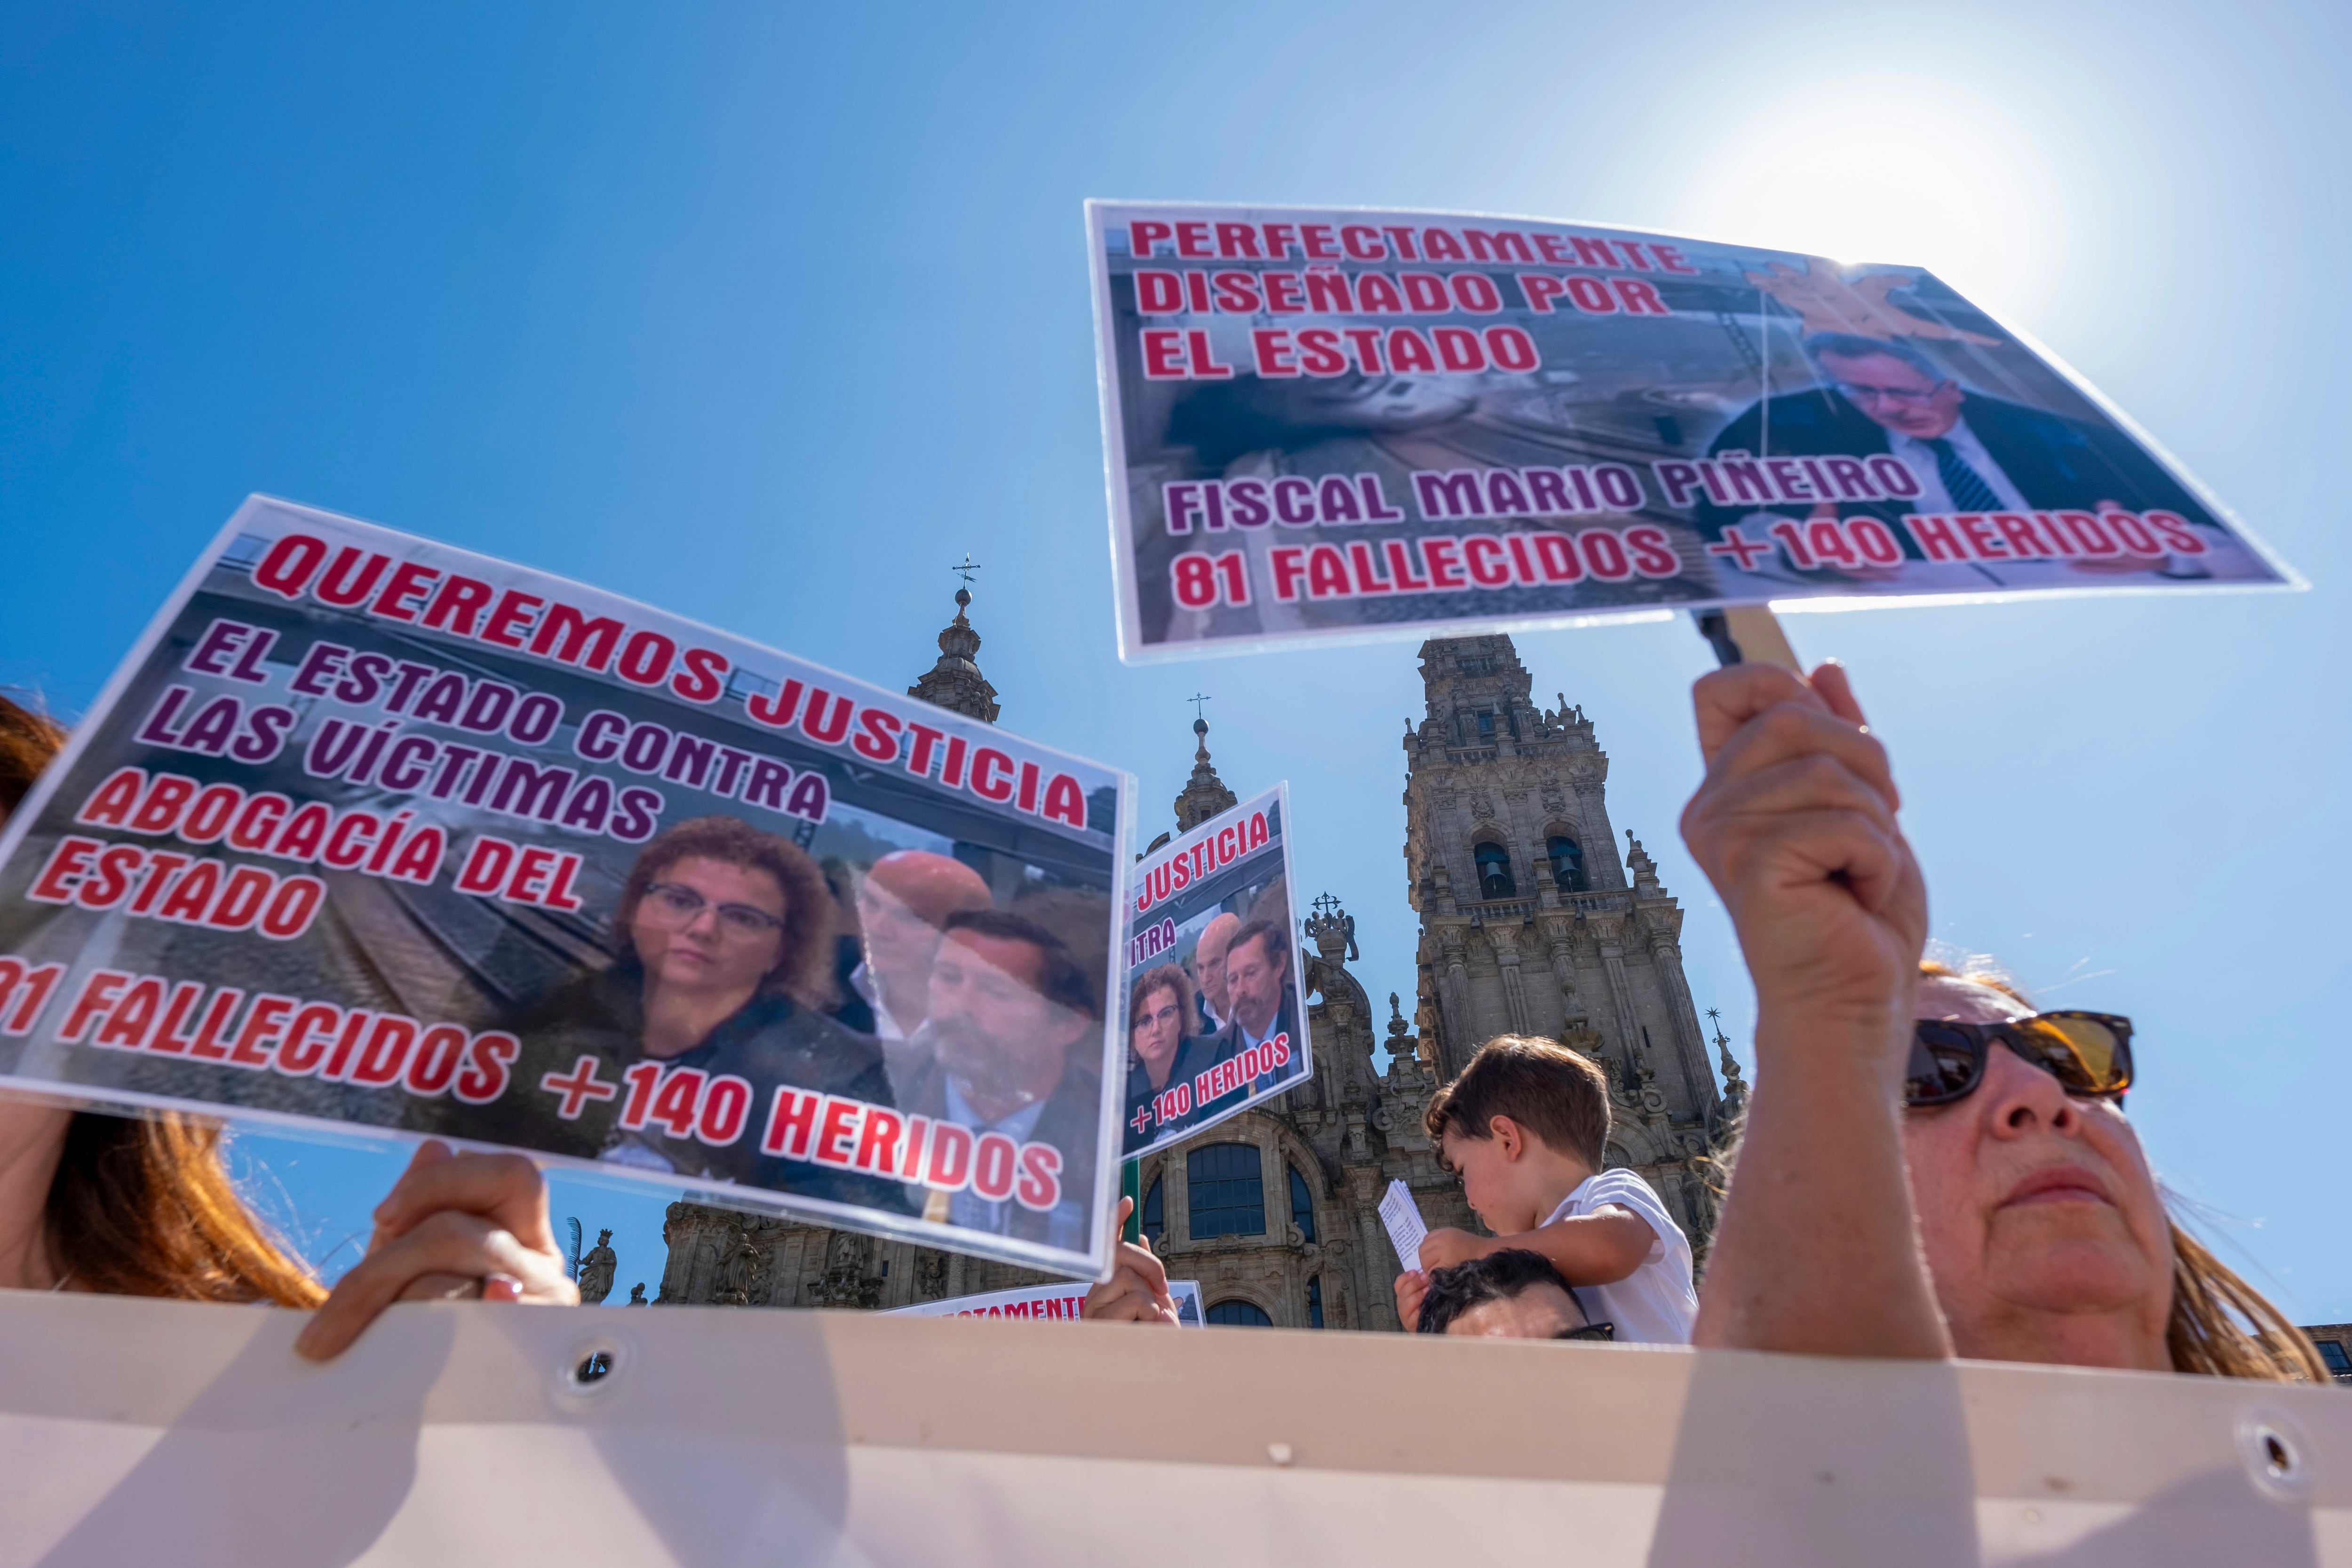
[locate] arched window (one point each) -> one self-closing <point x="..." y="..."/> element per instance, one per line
<point x="1302" y="1205"/>
<point x="1494" y="881"/>
<point x="1567" y="863"/>
<point x="1228" y="1191"/>
<point x="1315" y="1301"/>
<point x="1155" y="1218"/>
<point x="1240" y="1315"/>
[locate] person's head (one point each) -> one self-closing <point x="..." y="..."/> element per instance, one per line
<point x="1008" y="1001"/>
<point x="604" y="1239"/>
<point x="715" y="906"/>
<point x="1888" y="380"/>
<point x="1208" y="962"/>
<point x="903" y="902"/>
<point x="1159" y="1016"/>
<point x="2043" y="1227"/>
<point x="1512" y="1294"/>
<point x="29" y="740"/>
<point x="1257" y="966"/>
<point x="1526" y="1116"/>
<point x="139" y="1206"/>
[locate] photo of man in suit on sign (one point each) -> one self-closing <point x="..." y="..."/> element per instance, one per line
<point x="1966" y="451"/>
<point x="1263" y="1002"/>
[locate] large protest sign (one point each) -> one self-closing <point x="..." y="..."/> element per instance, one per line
<point x="135" y="1431"/>
<point x="379" y="832"/>
<point x="1213" y="976"/>
<point x="1324" y="421"/>
<point x="1045" y="1303"/>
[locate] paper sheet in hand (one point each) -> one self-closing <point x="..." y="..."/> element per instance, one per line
<point x="1406" y="1231"/>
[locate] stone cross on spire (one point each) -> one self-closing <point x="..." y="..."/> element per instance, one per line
<point x="1204" y="795"/>
<point x="955" y="682"/>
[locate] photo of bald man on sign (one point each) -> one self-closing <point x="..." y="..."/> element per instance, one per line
<point x="1215" y="977"/>
<point x="904" y="903"/>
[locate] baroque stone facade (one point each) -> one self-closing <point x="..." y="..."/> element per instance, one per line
<point x="1579" y="946"/>
<point x="1532" y="924"/>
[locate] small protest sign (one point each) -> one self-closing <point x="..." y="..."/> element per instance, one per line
<point x="1406" y="1228"/>
<point x="1213" y="976"/>
<point x="376" y="832"/>
<point x="1327" y="421"/>
<point x="1052" y="1303"/>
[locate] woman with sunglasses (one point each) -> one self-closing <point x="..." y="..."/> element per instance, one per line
<point x="1930" y="1167"/>
<point x="724" y="966"/>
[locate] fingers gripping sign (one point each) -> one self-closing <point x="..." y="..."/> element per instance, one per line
<point x="453" y="1226"/>
<point x="1795" y="824"/>
<point x="1411" y="1287"/>
<point x="1137" y="1290"/>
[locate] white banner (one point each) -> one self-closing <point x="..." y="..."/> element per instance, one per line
<point x="136" y="1431"/>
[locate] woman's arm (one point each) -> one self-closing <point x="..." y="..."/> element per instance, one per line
<point x="1795" y="824"/>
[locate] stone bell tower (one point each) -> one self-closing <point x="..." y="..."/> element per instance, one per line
<point x="1532" y="924"/>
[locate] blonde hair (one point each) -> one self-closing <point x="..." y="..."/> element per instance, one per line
<point x="2219" y="1325"/>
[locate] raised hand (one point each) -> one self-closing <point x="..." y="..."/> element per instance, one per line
<point x="1795" y="825"/>
<point x="1137" y="1290"/>
<point x="454" y="1225"/>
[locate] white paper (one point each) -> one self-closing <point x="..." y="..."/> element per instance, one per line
<point x="1406" y="1231"/>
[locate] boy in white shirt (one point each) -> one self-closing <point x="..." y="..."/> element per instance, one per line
<point x="1525" y="1127"/>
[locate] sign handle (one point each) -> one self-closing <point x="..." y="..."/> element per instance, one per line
<point x="1746" y="634"/>
<point x="1130" y="1185"/>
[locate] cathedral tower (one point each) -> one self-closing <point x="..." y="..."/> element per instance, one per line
<point x="955" y="682"/>
<point x="1531" y="922"/>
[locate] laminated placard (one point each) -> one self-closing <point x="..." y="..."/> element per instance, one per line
<point x="1045" y="1303"/>
<point x="1215" y="976"/>
<point x="372" y="831"/>
<point x="1339" y="422"/>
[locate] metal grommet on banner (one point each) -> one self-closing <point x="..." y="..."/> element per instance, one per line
<point x="2276" y="1456"/>
<point x="588" y="1369"/>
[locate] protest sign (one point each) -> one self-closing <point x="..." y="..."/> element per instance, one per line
<point x="1407" y="1230"/>
<point x="372" y="831"/>
<point x="137" y="1431"/>
<point x="1050" y="1303"/>
<point x="1213" y="976"/>
<point x="1326" y="422"/>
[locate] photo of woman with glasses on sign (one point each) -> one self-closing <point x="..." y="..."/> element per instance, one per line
<point x="723" y="963"/>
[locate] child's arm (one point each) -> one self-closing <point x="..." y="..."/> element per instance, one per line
<point x="1588" y="1250"/>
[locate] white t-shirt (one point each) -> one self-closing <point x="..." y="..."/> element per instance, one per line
<point x="1656" y="1304"/>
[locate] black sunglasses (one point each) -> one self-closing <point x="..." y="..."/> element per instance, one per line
<point x="2088" y="1053"/>
<point x="1589" y="1331"/>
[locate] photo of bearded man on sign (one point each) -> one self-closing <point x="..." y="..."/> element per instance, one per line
<point x="1264" y="1006"/>
<point x="1013" y="1022"/>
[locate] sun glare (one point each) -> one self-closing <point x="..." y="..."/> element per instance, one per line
<point x="1909" y="172"/>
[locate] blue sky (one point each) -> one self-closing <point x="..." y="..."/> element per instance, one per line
<point x="766" y="315"/>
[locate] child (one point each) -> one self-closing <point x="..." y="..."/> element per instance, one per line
<point x="1525" y="1127"/>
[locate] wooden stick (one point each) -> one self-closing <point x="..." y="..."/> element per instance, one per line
<point x="1747" y="634"/>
